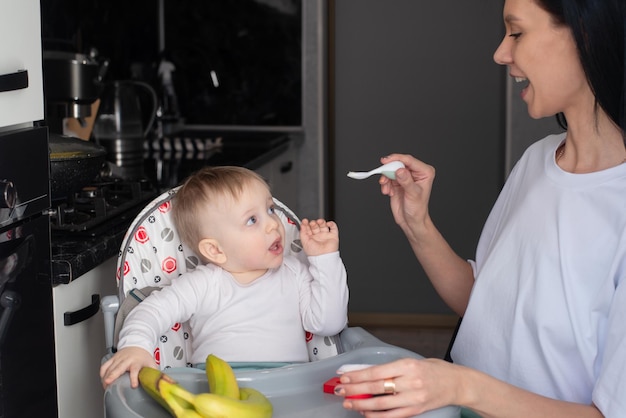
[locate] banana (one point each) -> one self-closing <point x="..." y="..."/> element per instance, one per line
<point x="167" y="392"/>
<point x="220" y="403"/>
<point x="252" y="404"/>
<point x="222" y="380"/>
<point x="172" y="395"/>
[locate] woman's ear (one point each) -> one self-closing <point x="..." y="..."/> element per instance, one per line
<point x="211" y="250"/>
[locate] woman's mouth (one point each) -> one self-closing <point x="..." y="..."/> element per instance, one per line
<point x="522" y="80"/>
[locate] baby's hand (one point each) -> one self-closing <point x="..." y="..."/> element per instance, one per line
<point x="319" y="236"/>
<point x="129" y="359"/>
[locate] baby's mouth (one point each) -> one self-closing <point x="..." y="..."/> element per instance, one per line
<point x="277" y="246"/>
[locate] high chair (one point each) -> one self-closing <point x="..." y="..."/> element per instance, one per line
<point x="151" y="256"/>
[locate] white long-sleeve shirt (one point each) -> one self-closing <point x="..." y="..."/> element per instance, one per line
<point x="262" y="321"/>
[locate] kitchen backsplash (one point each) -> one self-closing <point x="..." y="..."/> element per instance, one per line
<point x="234" y="62"/>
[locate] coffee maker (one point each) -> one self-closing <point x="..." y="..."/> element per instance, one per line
<point x="72" y="83"/>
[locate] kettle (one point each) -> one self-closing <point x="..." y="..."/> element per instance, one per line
<point x="126" y="114"/>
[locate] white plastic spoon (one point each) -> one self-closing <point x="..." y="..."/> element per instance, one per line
<point x="387" y="170"/>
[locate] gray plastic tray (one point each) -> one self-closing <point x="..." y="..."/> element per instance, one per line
<point x="295" y="390"/>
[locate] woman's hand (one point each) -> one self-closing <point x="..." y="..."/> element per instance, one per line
<point x="409" y="193"/>
<point x="416" y="386"/>
<point x="420" y="385"/>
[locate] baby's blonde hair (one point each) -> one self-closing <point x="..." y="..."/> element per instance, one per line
<point x="204" y="187"/>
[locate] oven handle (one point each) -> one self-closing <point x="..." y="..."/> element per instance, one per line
<point x="14" y="81"/>
<point x="10" y="301"/>
<point x="72" y="318"/>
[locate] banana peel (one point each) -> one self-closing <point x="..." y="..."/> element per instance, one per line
<point x="220" y="403"/>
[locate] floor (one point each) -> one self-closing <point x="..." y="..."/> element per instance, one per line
<point x="429" y="342"/>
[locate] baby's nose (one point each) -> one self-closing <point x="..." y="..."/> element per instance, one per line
<point x="272" y="224"/>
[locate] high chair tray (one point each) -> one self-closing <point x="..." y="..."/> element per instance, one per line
<point x="295" y="390"/>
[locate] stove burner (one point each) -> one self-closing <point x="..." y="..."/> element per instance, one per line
<point x="99" y="203"/>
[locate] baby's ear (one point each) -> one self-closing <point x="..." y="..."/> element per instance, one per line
<point x="211" y="250"/>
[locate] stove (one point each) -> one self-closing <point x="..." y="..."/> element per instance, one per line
<point x="88" y="226"/>
<point x="99" y="206"/>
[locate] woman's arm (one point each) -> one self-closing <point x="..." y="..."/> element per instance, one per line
<point x="409" y="195"/>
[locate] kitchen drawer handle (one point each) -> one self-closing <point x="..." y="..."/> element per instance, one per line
<point x="71" y="318"/>
<point x="14" y="81"/>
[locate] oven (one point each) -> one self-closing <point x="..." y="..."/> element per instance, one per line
<point x="27" y="353"/>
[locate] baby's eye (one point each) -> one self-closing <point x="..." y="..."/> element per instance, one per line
<point x="271" y="210"/>
<point x="252" y="220"/>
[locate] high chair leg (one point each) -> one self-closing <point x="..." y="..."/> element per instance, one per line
<point x="110" y="305"/>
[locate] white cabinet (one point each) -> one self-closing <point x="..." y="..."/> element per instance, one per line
<point x="21" y="71"/>
<point x="80" y="347"/>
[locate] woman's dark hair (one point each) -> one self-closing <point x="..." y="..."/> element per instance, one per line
<point x="599" y="30"/>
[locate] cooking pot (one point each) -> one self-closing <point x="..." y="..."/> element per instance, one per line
<point x="74" y="163"/>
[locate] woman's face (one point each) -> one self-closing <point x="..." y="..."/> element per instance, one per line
<point x="542" y="55"/>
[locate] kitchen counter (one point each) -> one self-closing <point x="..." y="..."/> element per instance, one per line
<point x="76" y="253"/>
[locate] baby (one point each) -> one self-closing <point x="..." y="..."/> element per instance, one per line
<point x="249" y="301"/>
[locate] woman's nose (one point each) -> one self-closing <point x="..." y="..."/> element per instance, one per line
<point x="502" y="55"/>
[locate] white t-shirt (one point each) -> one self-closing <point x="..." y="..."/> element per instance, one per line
<point x="548" y="309"/>
<point x="264" y="321"/>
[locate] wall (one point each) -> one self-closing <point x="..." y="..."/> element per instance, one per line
<point x="413" y="76"/>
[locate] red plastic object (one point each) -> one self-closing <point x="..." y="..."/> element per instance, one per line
<point x="329" y="387"/>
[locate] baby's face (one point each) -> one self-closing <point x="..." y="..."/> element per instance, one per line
<point x="249" y="231"/>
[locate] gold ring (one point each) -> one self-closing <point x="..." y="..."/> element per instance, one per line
<point x="389" y="386"/>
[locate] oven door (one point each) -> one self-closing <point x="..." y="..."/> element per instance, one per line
<point x="24" y="174"/>
<point x="27" y="370"/>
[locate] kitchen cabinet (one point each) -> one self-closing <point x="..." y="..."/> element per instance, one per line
<point x="80" y="347"/>
<point x="21" y="80"/>
<point x="413" y="76"/>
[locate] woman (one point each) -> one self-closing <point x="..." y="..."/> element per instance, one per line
<point x="544" y="302"/>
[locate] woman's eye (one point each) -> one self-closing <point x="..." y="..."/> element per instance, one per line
<point x="515" y="35"/>
<point x="251" y="221"/>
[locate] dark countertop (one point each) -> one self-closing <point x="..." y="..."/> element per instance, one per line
<point x="77" y="253"/>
